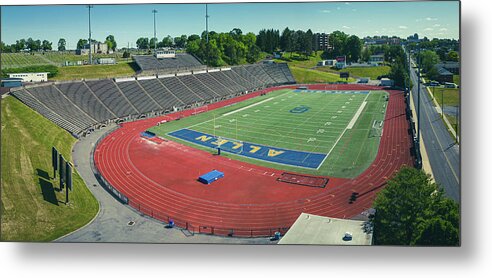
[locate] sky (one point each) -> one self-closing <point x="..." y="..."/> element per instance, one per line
<point x="128" y="22"/>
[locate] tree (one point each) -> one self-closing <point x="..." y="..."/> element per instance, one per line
<point x="111" y="42"/>
<point x="143" y="43"/>
<point x="428" y="59"/>
<point x="126" y="54"/>
<point x="353" y="48"/>
<point x="398" y="74"/>
<point x="253" y="54"/>
<point x="366" y="54"/>
<point x="153" y="42"/>
<point x="167" y="42"/>
<point x="180" y="42"/>
<point x="453" y="56"/>
<point x="412" y="210"/>
<point x="61" y="44"/>
<point x="46" y="45"/>
<point x="338" y="42"/>
<point x="193" y="37"/>
<point x="81" y="43"/>
<point x="433" y="73"/>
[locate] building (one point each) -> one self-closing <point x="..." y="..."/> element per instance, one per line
<point x="314" y="229"/>
<point x="106" y="61"/>
<point x="10" y="82"/>
<point x="386" y="82"/>
<point x="97" y="48"/>
<point x="31" y="76"/>
<point x="321" y="41"/>
<point x="378" y="58"/>
<point x="444" y="75"/>
<point x="453" y="67"/>
<point x="165" y="53"/>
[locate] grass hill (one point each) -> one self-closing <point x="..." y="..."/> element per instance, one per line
<point x="32" y="208"/>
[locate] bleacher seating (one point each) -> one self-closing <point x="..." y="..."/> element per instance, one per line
<point x="160" y="94"/>
<point x="108" y="94"/>
<point x="227" y="82"/>
<point x="54" y="100"/>
<point x="198" y="87"/>
<point x="138" y="97"/>
<point x="213" y="84"/>
<point x="182" y="61"/>
<point x="79" y="105"/>
<point x="242" y="72"/>
<point x="258" y="72"/>
<point x="35" y="104"/>
<point x="79" y="94"/>
<point x="180" y="90"/>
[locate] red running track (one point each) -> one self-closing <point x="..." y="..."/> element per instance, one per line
<point x="160" y="180"/>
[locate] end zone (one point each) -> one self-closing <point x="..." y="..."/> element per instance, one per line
<point x="256" y="151"/>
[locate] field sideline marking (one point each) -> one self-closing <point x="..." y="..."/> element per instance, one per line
<point x="247" y="107"/>
<point x="357" y="114"/>
<point x="233" y="111"/>
<point x="341" y="135"/>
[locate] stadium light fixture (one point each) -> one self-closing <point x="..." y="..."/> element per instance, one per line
<point x="89" y="7"/>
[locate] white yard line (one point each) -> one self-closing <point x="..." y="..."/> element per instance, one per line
<point x="356" y="116"/>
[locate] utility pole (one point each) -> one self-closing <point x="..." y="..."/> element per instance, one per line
<point x="418" y="96"/>
<point x="206" y="33"/>
<point x="90" y="34"/>
<point x="155" y="38"/>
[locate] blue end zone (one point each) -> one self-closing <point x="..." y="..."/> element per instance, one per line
<point x="333" y="92"/>
<point x="255" y="151"/>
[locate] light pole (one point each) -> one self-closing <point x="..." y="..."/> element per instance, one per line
<point x="206" y="33"/>
<point x="90" y="34"/>
<point x="155" y="38"/>
<point x="418" y="96"/>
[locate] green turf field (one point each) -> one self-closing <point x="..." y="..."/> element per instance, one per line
<point x="32" y="207"/>
<point x="324" y="128"/>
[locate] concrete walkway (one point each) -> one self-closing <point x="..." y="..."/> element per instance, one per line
<point x="111" y="223"/>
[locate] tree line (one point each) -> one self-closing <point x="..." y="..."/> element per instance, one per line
<point x="32" y="45"/>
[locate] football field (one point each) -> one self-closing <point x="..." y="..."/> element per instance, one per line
<point x="332" y="133"/>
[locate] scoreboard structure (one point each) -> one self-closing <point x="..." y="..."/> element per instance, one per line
<point x="65" y="171"/>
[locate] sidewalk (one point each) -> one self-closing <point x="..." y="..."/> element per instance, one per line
<point x="425" y="158"/>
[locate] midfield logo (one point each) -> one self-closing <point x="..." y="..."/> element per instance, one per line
<point x="300" y="109"/>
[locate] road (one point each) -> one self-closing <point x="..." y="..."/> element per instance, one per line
<point x="443" y="152"/>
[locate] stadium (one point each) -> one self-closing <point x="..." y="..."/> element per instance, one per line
<point x="281" y="148"/>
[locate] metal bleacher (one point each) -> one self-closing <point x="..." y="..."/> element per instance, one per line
<point x="80" y="106"/>
<point x="80" y="95"/>
<point x="138" y="97"/>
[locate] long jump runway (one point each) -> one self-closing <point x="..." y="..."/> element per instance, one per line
<point x="160" y="179"/>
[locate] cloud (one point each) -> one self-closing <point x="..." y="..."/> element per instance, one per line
<point x="346" y="27"/>
<point x="436" y="25"/>
<point x="325" y="11"/>
<point x="428" y="29"/>
<point x="403" y="27"/>
<point x="430" y="18"/>
<point x="338" y="8"/>
<point x="347" y="3"/>
<point x="443" y="29"/>
<point x="354" y="10"/>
